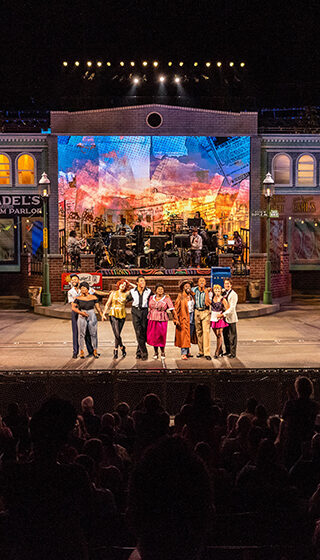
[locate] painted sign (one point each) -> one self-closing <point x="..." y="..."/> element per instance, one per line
<point x="20" y="205"/>
<point x="94" y="279"/>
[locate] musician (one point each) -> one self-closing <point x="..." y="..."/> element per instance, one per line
<point x="123" y="225"/>
<point x="73" y="248"/>
<point x="196" y="247"/>
<point x="138" y="230"/>
<point x="202" y="223"/>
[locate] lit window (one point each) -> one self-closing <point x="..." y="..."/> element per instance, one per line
<point x="306" y="171"/>
<point x="26" y="170"/>
<point x="4" y="170"/>
<point x="282" y="169"/>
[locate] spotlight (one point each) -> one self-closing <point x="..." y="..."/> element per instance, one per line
<point x="132" y="63"/>
<point x="316" y="224"/>
<point x="208" y="64"/>
<point x="121" y="63"/>
<point x="219" y="64"/>
<point x="302" y="221"/>
<point x="136" y="80"/>
<point x="99" y="64"/>
<point x="231" y="64"/>
<point x="290" y="218"/>
<point x="170" y="63"/>
<point x="108" y="63"/>
<point x="180" y="63"/>
<point x="162" y="79"/>
<point x="156" y="63"/>
<point x="65" y="63"/>
<point x="77" y="63"/>
<point x="144" y="63"/>
<point x="89" y="63"/>
<point x="242" y="64"/>
<point x="194" y="64"/>
<point x="177" y="80"/>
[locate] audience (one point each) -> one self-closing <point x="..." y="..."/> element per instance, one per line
<point x="66" y="479"/>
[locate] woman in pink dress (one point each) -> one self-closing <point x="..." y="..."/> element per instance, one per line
<point x="159" y="306"/>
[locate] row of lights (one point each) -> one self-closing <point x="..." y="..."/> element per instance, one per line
<point x="301" y="221"/>
<point x="136" y="80"/>
<point x="155" y="64"/>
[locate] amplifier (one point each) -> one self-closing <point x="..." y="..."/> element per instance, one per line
<point x="171" y="260"/>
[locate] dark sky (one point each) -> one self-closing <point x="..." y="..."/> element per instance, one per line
<point x="278" y="40"/>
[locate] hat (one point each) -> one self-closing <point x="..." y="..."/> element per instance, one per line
<point x="74" y="275"/>
<point x="184" y="282"/>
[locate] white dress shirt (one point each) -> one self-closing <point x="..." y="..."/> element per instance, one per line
<point x="196" y="242"/>
<point x="230" y="314"/>
<point x="136" y="297"/>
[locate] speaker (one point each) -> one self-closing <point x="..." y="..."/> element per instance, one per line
<point x="171" y="260"/>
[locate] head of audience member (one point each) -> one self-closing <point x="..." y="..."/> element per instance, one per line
<point x="251" y="405"/>
<point x="206" y="454"/>
<point x="243" y="426"/>
<point x="88" y="464"/>
<point x="152" y="403"/>
<point x="141" y="283"/>
<point x="123" y="409"/>
<point x="111" y="479"/>
<point x="107" y="423"/>
<point x="274" y="424"/>
<point x="87" y="405"/>
<point x="50" y="427"/>
<point x="303" y="387"/>
<point x="202" y="283"/>
<point x="260" y="416"/>
<point x="169" y="504"/>
<point x="93" y="448"/>
<point x="122" y="286"/>
<point x="231" y="424"/>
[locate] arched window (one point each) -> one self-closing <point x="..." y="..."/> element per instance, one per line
<point x="306" y="171"/>
<point x="26" y="169"/>
<point x="5" y="171"/>
<point x="282" y="169"/>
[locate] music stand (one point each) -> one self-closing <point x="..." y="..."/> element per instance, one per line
<point x="194" y="222"/>
<point x="182" y="241"/>
<point x="157" y="242"/>
<point x="118" y="243"/>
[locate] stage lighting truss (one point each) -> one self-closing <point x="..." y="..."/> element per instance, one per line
<point x="157" y="64"/>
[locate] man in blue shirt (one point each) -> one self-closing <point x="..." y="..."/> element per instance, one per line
<point x="202" y="319"/>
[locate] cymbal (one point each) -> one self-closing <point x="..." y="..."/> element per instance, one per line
<point x="131" y="244"/>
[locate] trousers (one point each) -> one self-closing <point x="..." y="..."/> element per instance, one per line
<point x="117" y="326"/>
<point x="230" y="338"/>
<point x="75" y="335"/>
<point x="140" y="323"/>
<point x="91" y="324"/>
<point x="202" y="323"/>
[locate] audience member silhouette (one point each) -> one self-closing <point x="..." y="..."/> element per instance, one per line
<point x="91" y="420"/>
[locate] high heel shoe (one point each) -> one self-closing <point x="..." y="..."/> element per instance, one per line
<point x="115" y="353"/>
<point x="123" y="350"/>
<point x="95" y="354"/>
<point x="81" y="355"/>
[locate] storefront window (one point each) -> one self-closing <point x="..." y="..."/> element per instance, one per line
<point x="7" y="240"/>
<point x="26" y="170"/>
<point x="4" y="170"/>
<point x="306" y="171"/>
<point x="282" y="169"/>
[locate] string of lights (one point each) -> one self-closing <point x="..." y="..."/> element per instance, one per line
<point x="155" y="64"/>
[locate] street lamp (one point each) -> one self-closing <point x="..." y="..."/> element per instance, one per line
<point x="44" y="192"/>
<point x="268" y="191"/>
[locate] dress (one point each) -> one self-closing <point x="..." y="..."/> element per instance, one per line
<point x="218" y="307"/>
<point x="158" y="321"/>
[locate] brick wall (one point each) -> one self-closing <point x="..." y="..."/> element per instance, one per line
<point x="56" y="269"/>
<point x="87" y="263"/>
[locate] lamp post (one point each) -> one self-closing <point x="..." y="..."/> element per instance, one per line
<point x="44" y="192"/>
<point x="268" y="191"/>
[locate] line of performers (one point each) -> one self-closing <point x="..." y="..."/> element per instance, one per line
<point x="195" y="312"/>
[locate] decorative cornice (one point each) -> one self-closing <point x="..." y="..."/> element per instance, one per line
<point x="23" y="138"/>
<point x="154" y="106"/>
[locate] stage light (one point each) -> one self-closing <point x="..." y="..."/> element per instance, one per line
<point x="242" y="64"/>
<point x="170" y="63"/>
<point x="180" y="63"/>
<point x="136" y="80"/>
<point x="195" y="63"/>
<point x="290" y="218"/>
<point x="89" y="63"/>
<point x="177" y="80"/>
<point x="65" y="63"/>
<point x="162" y="79"/>
<point x="121" y="63"/>
<point x="208" y="64"/>
<point x="77" y="63"/>
<point x="302" y="221"/>
<point x="316" y="224"/>
<point x="144" y="63"/>
<point x="231" y="64"/>
<point x="156" y="63"/>
<point x="99" y="64"/>
<point x="219" y="64"/>
<point x="132" y="63"/>
<point x="108" y="63"/>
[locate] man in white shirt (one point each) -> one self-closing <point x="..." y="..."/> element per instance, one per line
<point x="231" y="317"/>
<point x="196" y="247"/>
<point x="139" y="295"/>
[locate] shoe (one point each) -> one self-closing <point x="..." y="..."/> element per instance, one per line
<point x="221" y="353"/>
<point x="115" y="353"/>
<point x="95" y="354"/>
<point x="216" y="357"/>
<point x="74" y="356"/>
<point x="163" y="361"/>
<point x="144" y="358"/>
<point x="184" y="357"/>
<point x="224" y="354"/>
<point x="232" y="356"/>
<point x="208" y="358"/>
<point x="199" y="356"/>
<point x="155" y="357"/>
<point x="189" y="355"/>
<point x="138" y="356"/>
<point x="92" y="354"/>
<point x="81" y="355"/>
<point x="123" y="350"/>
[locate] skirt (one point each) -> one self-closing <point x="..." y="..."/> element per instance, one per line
<point x="157" y="333"/>
<point x="221" y="324"/>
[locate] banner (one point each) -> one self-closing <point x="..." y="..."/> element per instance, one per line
<point x="20" y="205"/>
<point x="94" y="279"/>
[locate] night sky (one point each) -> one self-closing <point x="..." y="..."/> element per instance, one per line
<point x="279" y="41"/>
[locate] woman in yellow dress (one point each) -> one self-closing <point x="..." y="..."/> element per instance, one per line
<point x="116" y="309"/>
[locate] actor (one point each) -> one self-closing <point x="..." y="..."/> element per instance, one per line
<point x="73" y="293"/>
<point x="159" y="306"/>
<point x="116" y="309"/>
<point x="202" y="319"/>
<point x="218" y="305"/>
<point x="139" y="295"/>
<point x="230" y="315"/>
<point x="85" y="306"/>
<point x="184" y="307"/>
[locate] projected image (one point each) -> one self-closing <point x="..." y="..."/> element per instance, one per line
<point x="157" y="179"/>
